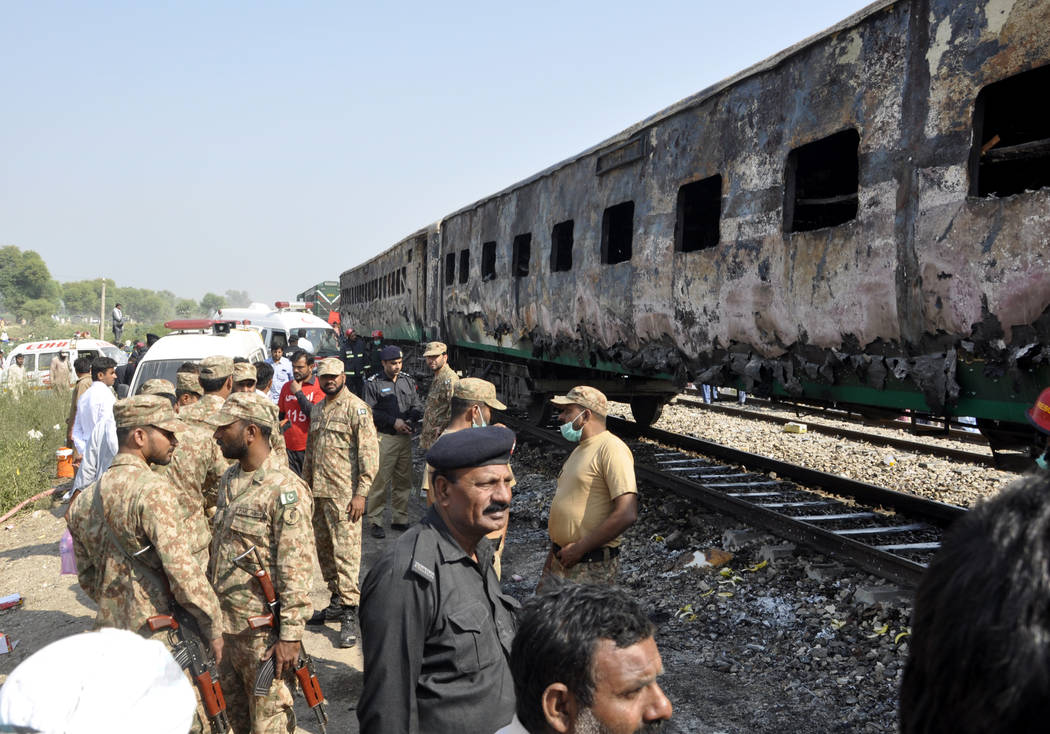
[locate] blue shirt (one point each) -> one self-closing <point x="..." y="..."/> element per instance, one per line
<point x="282" y="373"/>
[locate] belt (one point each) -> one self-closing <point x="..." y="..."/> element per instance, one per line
<point x="595" y="556"/>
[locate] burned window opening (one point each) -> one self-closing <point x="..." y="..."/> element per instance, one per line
<point x="464" y="265"/>
<point x="522" y="251"/>
<point x="617" y="233"/>
<point x="450" y="268"/>
<point x="1011" y="134"/>
<point x="822" y="181"/>
<point x="561" y="247"/>
<point x="699" y="213"/>
<point x="488" y="260"/>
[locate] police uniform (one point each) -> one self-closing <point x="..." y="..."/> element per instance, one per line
<point x="342" y="458"/>
<point x="269" y="509"/>
<point x="438" y="409"/>
<point x="131" y="542"/>
<point x="391" y="400"/>
<point x="436" y="627"/>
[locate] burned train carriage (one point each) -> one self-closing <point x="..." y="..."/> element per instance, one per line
<point x="862" y="218"/>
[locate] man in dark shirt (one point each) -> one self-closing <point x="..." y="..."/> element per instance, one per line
<point x="295" y="403"/>
<point x="435" y="626"/>
<point x="354" y="361"/>
<point x="394" y="399"/>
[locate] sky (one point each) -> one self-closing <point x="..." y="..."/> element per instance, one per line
<point x="267" y="146"/>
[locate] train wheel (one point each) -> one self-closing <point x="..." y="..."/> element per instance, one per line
<point x="647" y="410"/>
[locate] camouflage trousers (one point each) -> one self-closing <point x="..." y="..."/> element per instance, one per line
<point x="395" y="469"/>
<point x="251" y="714"/>
<point x="598" y="572"/>
<point x="338" y="548"/>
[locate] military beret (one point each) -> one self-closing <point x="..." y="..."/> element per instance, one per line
<point x="217" y="367"/>
<point x="157" y="386"/>
<point x="330" y="366"/>
<point x="472" y="447"/>
<point x="244" y="371"/>
<point x="389" y="353"/>
<point x="188" y="382"/>
<point x="248" y="406"/>
<point x="435" y="349"/>
<point x="477" y="390"/>
<point x="146" y="410"/>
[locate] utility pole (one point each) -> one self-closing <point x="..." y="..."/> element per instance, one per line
<point x="102" y="311"/>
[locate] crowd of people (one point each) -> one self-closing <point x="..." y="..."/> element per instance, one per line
<point x="209" y="499"/>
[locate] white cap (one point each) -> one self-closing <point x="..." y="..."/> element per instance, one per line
<point x="111" y="680"/>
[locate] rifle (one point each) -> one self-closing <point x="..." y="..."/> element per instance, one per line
<point x="305" y="671"/>
<point x="192" y="655"/>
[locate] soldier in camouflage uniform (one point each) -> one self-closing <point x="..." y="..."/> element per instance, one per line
<point x="188" y="388"/>
<point x="342" y="458"/>
<point x="158" y="386"/>
<point x="129" y="534"/>
<point x="261" y="503"/>
<point x="437" y="410"/>
<point x="244" y="376"/>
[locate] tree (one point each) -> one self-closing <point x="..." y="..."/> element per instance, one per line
<point x="36" y="308"/>
<point x="185" y="307"/>
<point x="24" y="276"/>
<point x="238" y="299"/>
<point x="211" y="303"/>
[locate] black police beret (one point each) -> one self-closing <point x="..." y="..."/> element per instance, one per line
<point x="472" y="447"/>
<point x="389" y="353"/>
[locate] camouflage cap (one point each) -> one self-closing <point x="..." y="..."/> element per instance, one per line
<point x="244" y="371"/>
<point x="435" y="349"/>
<point x="477" y="390"/>
<point x="246" y="406"/>
<point x="330" y="366"/>
<point x="188" y="382"/>
<point x="586" y="397"/>
<point x="157" y="386"/>
<point x="146" y="410"/>
<point x="217" y="367"/>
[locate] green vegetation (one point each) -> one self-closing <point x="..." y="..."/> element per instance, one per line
<point x="32" y="429"/>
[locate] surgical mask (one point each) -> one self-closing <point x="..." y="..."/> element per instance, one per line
<point x="1041" y="462"/>
<point x="570" y="433"/>
<point x="481" y="417"/>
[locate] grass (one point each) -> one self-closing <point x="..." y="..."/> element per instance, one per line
<point x="27" y="463"/>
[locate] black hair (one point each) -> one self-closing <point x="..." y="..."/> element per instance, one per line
<point x="189" y="368"/>
<point x="980" y="640"/>
<point x="299" y="354"/>
<point x="459" y="406"/>
<point x="212" y="384"/>
<point x="123" y="433"/>
<point x="99" y="365"/>
<point x="82" y="365"/>
<point x="263" y="373"/>
<point x="558" y="634"/>
<point x="240" y="360"/>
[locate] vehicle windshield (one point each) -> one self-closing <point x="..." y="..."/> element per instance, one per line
<point x="323" y="340"/>
<point x="163" y="369"/>
<point x="117" y="355"/>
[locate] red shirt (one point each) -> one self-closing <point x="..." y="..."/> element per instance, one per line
<point x="298" y="422"/>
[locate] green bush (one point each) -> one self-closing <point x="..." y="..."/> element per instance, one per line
<point x="27" y="462"/>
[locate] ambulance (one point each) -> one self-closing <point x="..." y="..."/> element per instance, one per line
<point x="37" y="357"/>
<point x="287" y="322"/>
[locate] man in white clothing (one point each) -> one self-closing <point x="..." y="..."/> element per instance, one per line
<point x="96" y="401"/>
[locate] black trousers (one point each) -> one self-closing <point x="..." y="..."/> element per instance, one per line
<point x="295" y="461"/>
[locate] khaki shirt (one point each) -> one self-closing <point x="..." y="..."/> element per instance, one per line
<point x="342" y="448"/>
<point x="81" y="386"/>
<point x="269" y="508"/>
<point x="598" y="471"/>
<point x="143" y="513"/>
<point x="438" y="409"/>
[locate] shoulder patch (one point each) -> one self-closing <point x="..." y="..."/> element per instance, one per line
<point x="423" y="571"/>
<point x="291" y="515"/>
<point x="362" y="411"/>
<point x="289" y="498"/>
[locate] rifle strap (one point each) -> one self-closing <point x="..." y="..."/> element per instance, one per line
<point x="156" y="577"/>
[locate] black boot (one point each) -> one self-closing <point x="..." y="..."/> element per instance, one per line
<point x="333" y="611"/>
<point x="348" y="627"/>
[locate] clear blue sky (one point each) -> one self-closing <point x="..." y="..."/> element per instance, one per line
<point x="265" y="146"/>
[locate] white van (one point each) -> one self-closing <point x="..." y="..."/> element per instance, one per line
<point x="37" y="357"/>
<point x="192" y="340"/>
<point x="284" y="321"/>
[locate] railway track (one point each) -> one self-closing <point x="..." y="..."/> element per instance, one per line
<point x="901" y="444"/>
<point x="888" y="533"/>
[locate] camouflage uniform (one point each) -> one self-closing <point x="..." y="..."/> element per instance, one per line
<point x="132" y="510"/>
<point x="438" y="408"/>
<point x="342" y="458"/>
<point x="270" y="509"/>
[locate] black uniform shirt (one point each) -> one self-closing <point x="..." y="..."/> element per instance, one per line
<point x="436" y="632"/>
<point x="391" y="400"/>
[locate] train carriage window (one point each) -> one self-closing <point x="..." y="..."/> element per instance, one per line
<point x="450" y="268"/>
<point x="488" y="260"/>
<point x="1011" y="134"/>
<point x="404" y="279"/>
<point x="522" y="251"/>
<point x="822" y="180"/>
<point x="699" y="211"/>
<point x="464" y="265"/>
<point x="561" y="247"/>
<point x="617" y="233"/>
